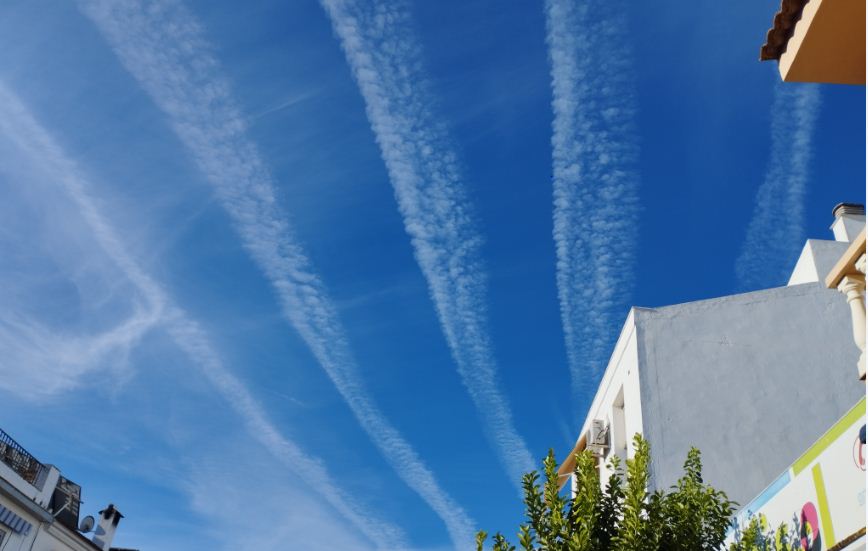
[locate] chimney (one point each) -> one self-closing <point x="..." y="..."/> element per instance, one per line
<point x="108" y="524"/>
<point x="849" y="221"/>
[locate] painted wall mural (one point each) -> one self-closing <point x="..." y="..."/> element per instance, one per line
<point x="820" y="499"/>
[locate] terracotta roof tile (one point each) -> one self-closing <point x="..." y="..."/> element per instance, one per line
<point x="782" y="29"/>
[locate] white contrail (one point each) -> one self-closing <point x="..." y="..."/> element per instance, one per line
<point x="775" y="233"/>
<point x="56" y="362"/>
<point x="163" y="47"/>
<point x="35" y="142"/>
<point x="424" y="172"/>
<point x="594" y="155"/>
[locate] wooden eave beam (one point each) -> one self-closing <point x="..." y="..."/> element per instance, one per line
<point x="846" y="265"/>
<point x="569" y="464"/>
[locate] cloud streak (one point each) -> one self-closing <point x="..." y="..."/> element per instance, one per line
<point x="17" y="122"/>
<point x="57" y="362"/>
<point x="594" y="155"/>
<point x="282" y="523"/>
<point x="775" y="233"/>
<point x="427" y="181"/>
<point x="164" y="48"/>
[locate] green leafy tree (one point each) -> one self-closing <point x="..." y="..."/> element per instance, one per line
<point x="624" y="516"/>
<point x="637" y="530"/>
<point x="757" y="537"/>
<point x="697" y="515"/>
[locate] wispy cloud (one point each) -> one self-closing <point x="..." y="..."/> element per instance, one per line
<point x="39" y="362"/>
<point x="775" y="233"/>
<point x="65" y="310"/>
<point x="36" y="144"/>
<point x="594" y="155"/>
<point x="67" y="314"/>
<point x="283" y="519"/>
<point x="289" y="102"/>
<point x="164" y="48"/>
<point x="385" y="60"/>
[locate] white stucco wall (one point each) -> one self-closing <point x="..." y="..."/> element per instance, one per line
<point x="817" y="259"/>
<point x="12" y="540"/>
<point x="845" y="228"/>
<point x="42" y="536"/>
<point x="618" y="398"/>
<point x="751" y="380"/>
<point x="56" y="537"/>
<point x="30" y="504"/>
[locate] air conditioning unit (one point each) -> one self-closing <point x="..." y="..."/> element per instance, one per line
<point x="598" y="437"/>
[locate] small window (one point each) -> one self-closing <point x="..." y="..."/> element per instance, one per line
<point x="619" y="426"/>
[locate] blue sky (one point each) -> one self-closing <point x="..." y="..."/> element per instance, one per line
<point x="293" y="273"/>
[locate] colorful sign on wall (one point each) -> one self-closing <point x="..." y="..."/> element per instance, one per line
<point x="820" y="499"/>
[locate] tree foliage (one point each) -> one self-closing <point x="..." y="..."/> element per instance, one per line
<point x="756" y="536"/>
<point x="623" y="516"/>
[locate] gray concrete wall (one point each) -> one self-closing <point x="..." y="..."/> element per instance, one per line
<point x="752" y="380"/>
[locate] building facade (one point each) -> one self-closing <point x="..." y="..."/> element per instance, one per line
<point x="818" y="41"/>
<point x="39" y="507"/>
<point x="752" y="380"/>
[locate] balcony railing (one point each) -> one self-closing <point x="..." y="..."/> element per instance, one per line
<point x="19" y="460"/>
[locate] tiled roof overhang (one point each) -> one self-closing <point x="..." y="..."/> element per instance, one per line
<point x="782" y="29"/>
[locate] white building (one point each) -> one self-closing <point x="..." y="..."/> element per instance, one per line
<point x="752" y="380"/>
<point x="39" y="508"/>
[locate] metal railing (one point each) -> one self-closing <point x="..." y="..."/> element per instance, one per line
<point x="19" y="460"/>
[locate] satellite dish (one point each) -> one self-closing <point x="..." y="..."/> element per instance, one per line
<point x="86" y="524"/>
